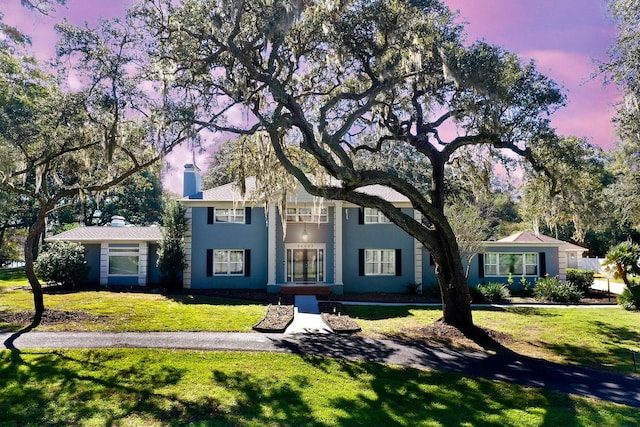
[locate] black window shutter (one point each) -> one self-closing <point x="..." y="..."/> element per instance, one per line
<point x="210" y="215"/>
<point x="398" y="262"/>
<point x="481" y="266"/>
<point x="247" y="262"/>
<point x="542" y="260"/>
<point x="361" y="262"/>
<point x="361" y="216"/>
<point x="247" y="215"/>
<point x="209" y="262"/>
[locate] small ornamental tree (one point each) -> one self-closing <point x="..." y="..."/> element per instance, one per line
<point x="171" y="255"/>
<point x="62" y="263"/>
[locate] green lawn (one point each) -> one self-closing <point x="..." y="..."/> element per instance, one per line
<point x="12" y="277"/>
<point x="162" y="388"/>
<point x="130" y="311"/>
<point x="599" y="337"/>
<point x="602" y="338"/>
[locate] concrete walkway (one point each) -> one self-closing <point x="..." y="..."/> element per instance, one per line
<point x="306" y="317"/>
<point x="504" y="366"/>
<point x="602" y="285"/>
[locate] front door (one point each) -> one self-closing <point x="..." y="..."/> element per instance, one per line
<point x="305" y="265"/>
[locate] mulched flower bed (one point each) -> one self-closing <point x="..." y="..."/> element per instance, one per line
<point x="276" y="319"/>
<point x="49" y="317"/>
<point x="335" y="315"/>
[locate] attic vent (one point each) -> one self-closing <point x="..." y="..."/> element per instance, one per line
<point x="117" y="221"/>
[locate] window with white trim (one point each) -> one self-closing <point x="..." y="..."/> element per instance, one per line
<point x="379" y="262"/>
<point x="314" y="215"/>
<point x="374" y="216"/>
<point x="124" y="259"/>
<point x="228" y="262"/>
<point x="234" y="215"/>
<point x="517" y="264"/>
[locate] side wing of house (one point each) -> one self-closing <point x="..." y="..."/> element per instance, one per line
<point x="498" y="262"/>
<point x="119" y="256"/>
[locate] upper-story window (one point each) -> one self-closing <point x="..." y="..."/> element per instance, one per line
<point x="235" y="215"/>
<point x="315" y="215"/>
<point x="374" y="216"/>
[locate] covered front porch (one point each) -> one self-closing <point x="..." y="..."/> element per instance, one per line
<point x="309" y="260"/>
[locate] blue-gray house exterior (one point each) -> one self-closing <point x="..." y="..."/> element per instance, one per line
<point x="336" y="244"/>
<point x="233" y="243"/>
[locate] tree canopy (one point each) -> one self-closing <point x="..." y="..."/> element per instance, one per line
<point x="383" y="73"/>
<point x="58" y="145"/>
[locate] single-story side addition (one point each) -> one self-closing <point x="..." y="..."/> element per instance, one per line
<point x="527" y="254"/>
<point x="234" y="244"/>
<point x="118" y="255"/>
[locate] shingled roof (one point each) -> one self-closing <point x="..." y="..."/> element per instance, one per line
<point x="230" y="193"/>
<point x="101" y="234"/>
<point x="529" y="237"/>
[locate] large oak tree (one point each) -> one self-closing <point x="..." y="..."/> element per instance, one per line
<point x="340" y="78"/>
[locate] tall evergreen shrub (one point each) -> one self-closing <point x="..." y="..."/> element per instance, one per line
<point x="171" y="255"/>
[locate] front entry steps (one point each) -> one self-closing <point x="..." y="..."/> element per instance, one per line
<point x="306" y="317"/>
<point x="316" y="290"/>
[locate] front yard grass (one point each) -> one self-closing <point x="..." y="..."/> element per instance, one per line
<point x="131" y="311"/>
<point x="12" y="278"/>
<point x="135" y="387"/>
<point x="604" y="338"/>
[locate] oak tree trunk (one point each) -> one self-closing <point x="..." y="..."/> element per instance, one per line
<point x="456" y="301"/>
<point x="29" y="258"/>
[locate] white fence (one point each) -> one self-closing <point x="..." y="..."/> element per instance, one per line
<point x="15" y="264"/>
<point x="593" y="264"/>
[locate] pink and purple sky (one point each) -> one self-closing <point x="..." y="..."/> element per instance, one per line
<point x="564" y="37"/>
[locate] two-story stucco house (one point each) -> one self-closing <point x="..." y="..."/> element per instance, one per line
<point x="232" y="243"/>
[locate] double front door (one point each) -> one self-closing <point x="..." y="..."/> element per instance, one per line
<point x="305" y="265"/>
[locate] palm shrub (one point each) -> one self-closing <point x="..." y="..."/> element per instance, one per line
<point x="582" y="279"/>
<point x="629" y="299"/>
<point x="622" y="260"/>
<point x="62" y="263"/>
<point x="555" y="290"/>
<point x="494" y="292"/>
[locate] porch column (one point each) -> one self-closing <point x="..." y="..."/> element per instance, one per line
<point x="271" y="246"/>
<point x="337" y="241"/>
<point x="417" y="259"/>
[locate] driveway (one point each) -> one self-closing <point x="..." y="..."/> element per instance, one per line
<point x="602" y="285"/>
<point x="504" y="366"/>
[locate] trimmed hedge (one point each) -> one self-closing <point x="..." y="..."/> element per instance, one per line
<point x="581" y="279"/>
